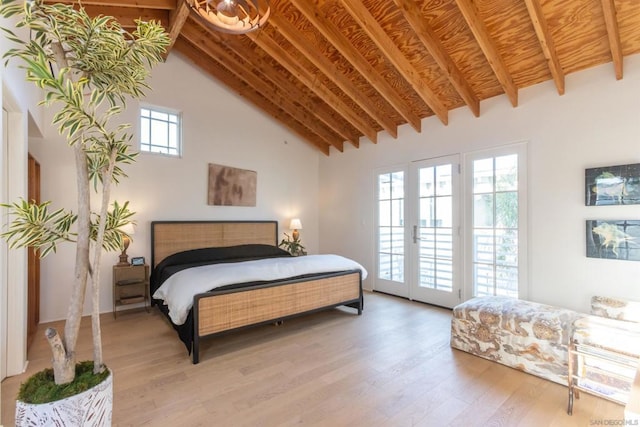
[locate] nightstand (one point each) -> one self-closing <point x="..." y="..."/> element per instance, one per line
<point x="130" y="285"/>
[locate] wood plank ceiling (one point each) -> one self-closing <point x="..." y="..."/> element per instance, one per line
<point x="339" y="72"/>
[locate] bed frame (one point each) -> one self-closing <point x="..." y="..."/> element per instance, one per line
<point x="221" y="311"/>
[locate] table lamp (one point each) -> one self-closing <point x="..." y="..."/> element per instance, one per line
<point x="295" y="225"/>
<point x="127" y="230"/>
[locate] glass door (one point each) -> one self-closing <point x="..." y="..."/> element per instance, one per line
<point x="435" y="240"/>
<point x="391" y="233"/>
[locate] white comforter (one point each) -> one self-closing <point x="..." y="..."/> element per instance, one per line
<point x="178" y="291"/>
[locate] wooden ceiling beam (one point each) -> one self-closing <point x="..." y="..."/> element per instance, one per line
<point x="546" y="42"/>
<point x="213" y="68"/>
<point x="246" y="73"/>
<point x="309" y="9"/>
<point x="177" y="18"/>
<point x="329" y="70"/>
<point x="479" y="30"/>
<point x="430" y="40"/>
<point x="266" y="69"/>
<point x="393" y="54"/>
<point x="611" y="21"/>
<point x="309" y="80"/>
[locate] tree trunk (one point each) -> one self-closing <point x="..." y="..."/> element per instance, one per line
<point x="107" y="179"/>
<point x="74" y="315"/>
<point x="64" y="363"/>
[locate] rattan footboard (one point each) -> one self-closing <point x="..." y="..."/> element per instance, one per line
<point x="220" y="311"/>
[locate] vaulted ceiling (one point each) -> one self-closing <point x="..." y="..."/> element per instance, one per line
<point x="339" y="72"/>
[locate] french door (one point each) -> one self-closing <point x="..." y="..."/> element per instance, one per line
<point x="418" y="231"/>
<point x="435" y="231"/>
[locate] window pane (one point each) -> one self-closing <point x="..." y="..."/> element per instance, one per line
<point x="427" y="273"/>
<point x="160" y="116"/>
<point x="397" y="212"/>
<point x="507" y="247"/>
<point x="444" y="212"/>
<point x="483" y="176"/>
<point x="384" y="186"/>
<point x="483" y="243"/>
<point x="397" y="185"/>
<point x="384" y="215"/>
<point x="427" y="212"/>
<point x="443" y="180"/>
<point x="384" y="266"/>
<point x="444" y="275"/>
<point x="483" y="279"/>
<point x="507" y="281"/>
<point x="507" y="210"/>
<point x="444" y="243"/>
<point x="384" y="237"/>
<point x="397" y="268"/>
<point x="427" y="242"/>
<point x="397" y="240"/>
<point x="427" y="185"/>
<point x="144" y="131"/>
<point x="483" y="210"/>
<point x="507" y="173"/>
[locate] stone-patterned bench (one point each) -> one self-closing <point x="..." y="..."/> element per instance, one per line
<point x="525" y="335"/>
<point x="529" y="336"/>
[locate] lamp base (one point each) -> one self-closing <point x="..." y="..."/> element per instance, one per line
<point x="124" y="260"/>
<point x="295" y="235"/>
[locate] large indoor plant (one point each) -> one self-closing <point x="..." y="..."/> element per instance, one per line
<point x="87" y="68"/>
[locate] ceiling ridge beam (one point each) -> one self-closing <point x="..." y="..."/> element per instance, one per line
<point x="479" y="30"/>
<point x="329" y="70"/>
<point x="197" y="57"/>
<point x="330" y="31"/>
<point x="331" y="99"/>
<point x="395" y="57"/>
<point x="430" y="40"/>
<point x="546" y="42"/>
<point x="240" y="70"/>
<point x="177" y="18"/>
<point x="611" y="22"/>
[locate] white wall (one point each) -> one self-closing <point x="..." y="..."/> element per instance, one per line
<point x="19" y="99"/>
<point x="596" y="123"/>
<point x="219" y="127"/>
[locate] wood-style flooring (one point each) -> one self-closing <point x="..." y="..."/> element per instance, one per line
<point x="392" y="366"/>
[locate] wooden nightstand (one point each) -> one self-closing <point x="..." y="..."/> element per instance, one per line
<point x="130" y="285"/>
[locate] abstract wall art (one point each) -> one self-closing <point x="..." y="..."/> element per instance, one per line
<point x="230" y="186"/>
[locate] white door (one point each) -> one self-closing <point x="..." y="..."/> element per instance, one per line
<point x="435" y="231"/>
<point x="391" y="233"/>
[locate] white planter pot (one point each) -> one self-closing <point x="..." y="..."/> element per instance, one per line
<point x="91" y="408"/>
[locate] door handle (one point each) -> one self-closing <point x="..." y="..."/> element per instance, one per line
<point x="415" y="234"/>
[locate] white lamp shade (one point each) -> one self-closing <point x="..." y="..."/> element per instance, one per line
<point x="128" y="229"/>
<point x="295" y="224"/>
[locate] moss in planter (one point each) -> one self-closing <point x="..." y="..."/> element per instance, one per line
<point x="41" y="387"/>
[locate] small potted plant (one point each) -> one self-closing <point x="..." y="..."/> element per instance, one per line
<point x="293" y="245"/>
<point x="87" y="67"/>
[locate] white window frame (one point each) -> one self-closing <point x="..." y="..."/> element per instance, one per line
<point x="161" y="110"/>
<point x="521" y="150"/>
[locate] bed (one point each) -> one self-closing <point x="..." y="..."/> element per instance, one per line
<point x="186" y="246"/>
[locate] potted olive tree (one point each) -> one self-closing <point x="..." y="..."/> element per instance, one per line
<point x="87" y="68"/>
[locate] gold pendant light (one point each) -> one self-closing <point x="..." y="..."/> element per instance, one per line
<point x="233" y="16"/>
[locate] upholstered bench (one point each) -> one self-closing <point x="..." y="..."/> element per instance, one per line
<point x="525" y="335"/>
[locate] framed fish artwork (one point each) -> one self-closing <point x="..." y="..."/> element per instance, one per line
<point x="613" y="185"/>
<point x="613" y="239"/>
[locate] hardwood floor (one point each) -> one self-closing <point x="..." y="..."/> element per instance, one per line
<point x="392" y="366"/>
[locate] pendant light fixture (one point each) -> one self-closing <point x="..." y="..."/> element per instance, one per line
<point x="233" y="16"/>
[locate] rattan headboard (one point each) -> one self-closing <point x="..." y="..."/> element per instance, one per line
<point x="170" y="237"/>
